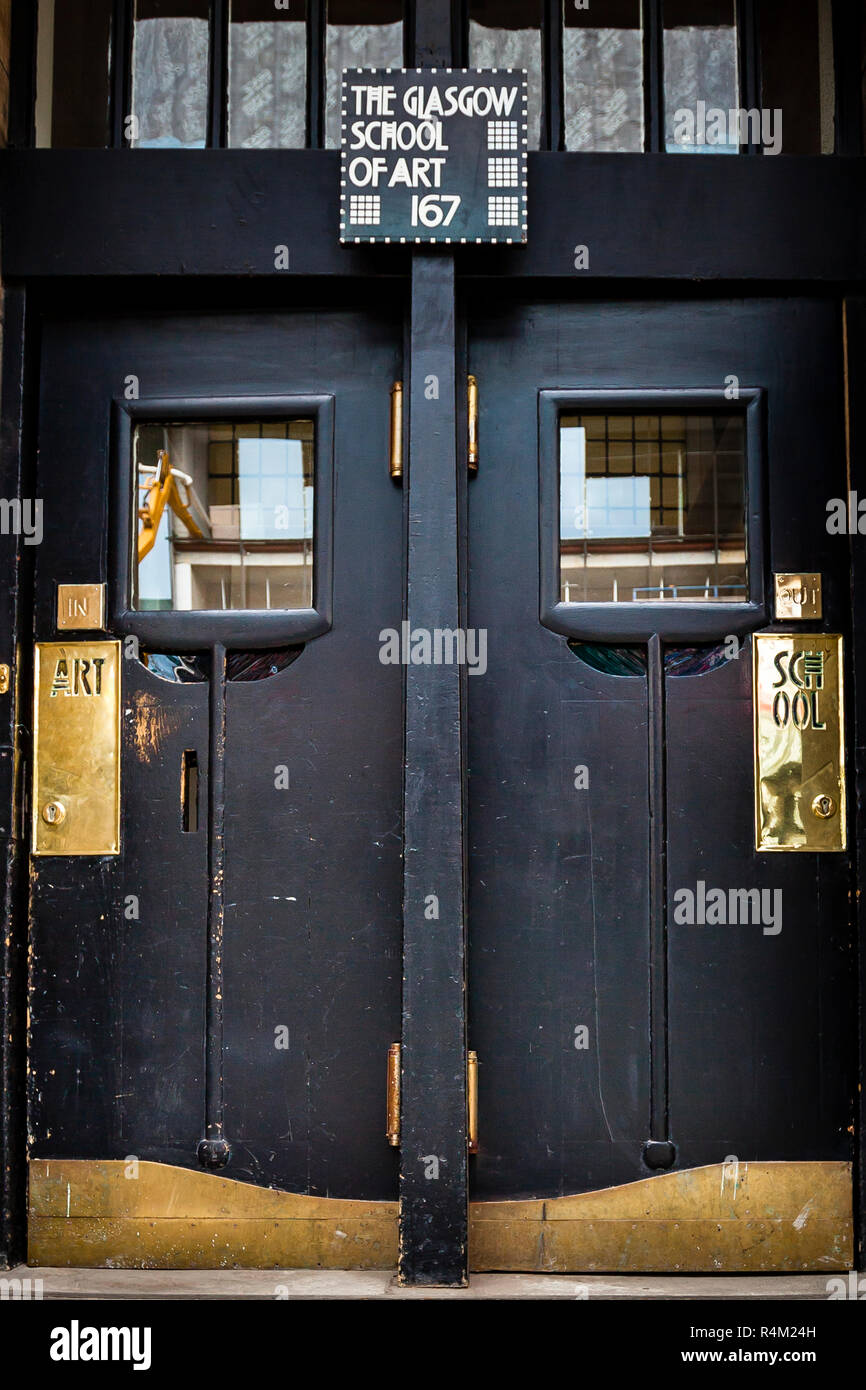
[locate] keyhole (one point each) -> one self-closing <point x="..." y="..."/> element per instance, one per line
<point x="823" y="807"/>
<point x="54" y="813"/>
<point x="189" y="790"/>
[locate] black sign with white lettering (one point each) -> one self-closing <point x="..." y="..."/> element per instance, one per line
<point x="433" y="155"/>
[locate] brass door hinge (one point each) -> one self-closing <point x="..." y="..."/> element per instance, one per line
<point x="472" y="1101"/>
<point x="472" y="418"/>
<point x="393" y="1096"/>
<point x="392" y="1132"/>
<point x="396" y="464"/>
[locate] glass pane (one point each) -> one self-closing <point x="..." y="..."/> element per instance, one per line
<point x="72" y="64"/>
<point x="701" y="81"/>
<point x="652" y="507"/>
<point x="507" y="34"/>
<point x="603" y="68"/>
<point x="361" y="34"/>
<point x="267" y="74"/>
<point x="225" y="515"/>
<point x="170" y="73"/>
<point x="797" y="78"/>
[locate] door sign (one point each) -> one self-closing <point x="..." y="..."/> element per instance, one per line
<point x="433" y="156"/>
<point x="799" y="742"/>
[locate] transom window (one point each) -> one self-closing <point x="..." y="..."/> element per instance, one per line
<point x="652" y="507"/>
<point x="619" y="76"/>
<point x="250" y="74"/>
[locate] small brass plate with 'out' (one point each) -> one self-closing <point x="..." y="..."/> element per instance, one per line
<point x="80" y="607"/>
<point x="798" y="596"/>
<point x="76" y="763"/>
<point x="799" y="742"/>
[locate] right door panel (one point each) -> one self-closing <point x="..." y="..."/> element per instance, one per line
<point x="598" y="1018"/>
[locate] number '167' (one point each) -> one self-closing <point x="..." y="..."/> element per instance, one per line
<point x="433" y="209"/>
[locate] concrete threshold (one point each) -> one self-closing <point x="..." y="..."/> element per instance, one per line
<point x="275" y="1284"/>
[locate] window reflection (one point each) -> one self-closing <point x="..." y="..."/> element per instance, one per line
<point x="72" y="73"/>
<point x="507" y="34"/>
<point x="267" y="74"/>
<point x="797" y="78"/>
<point x="359" y="35"/>
<point x="170" y="73"/>
<point x="603" y="67"/>
<point x="700" y="66"/>
<point x="225" y="515"/>
<point x="652" y="507"/>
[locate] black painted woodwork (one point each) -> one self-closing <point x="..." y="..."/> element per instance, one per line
<point x="562" y="913"/>
<point x="855" y="357"/>
<point x="433" y="1221"/>
<point x="15" y="600"/>
<point x="311" y="891"/>
<point x="222" y="212"/>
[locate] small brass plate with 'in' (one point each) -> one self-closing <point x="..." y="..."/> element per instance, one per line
<point x="81" y="607"/>
<point x="799" y="742"/>
<point x="76" y="763"/>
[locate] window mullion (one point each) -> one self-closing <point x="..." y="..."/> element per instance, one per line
<point x="316" y="74"/>
<point x="553" y="134"/>
<point x="747" y="56"/>
<point x="121" y="68"/>
<point x="653" y="62"/>
<point x="218" y="83"/>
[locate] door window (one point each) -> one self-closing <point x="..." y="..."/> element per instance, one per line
<point x="225" y="515"/>
<point x="652" y="507"/>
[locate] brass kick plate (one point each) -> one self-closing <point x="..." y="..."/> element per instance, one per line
<point x="799" y="742"/>
<point x="80" y="607"/>
<point x="76" y="762"/>
<point x="798" y="596"/>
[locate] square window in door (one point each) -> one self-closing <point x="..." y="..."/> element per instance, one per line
<point x="652" y="507"/>
<point x="224" y="515"/>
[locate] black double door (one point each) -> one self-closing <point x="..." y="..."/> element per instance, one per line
<point x="601" y="1027"/>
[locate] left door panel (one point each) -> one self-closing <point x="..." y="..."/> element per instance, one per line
<point x="310" y="955"/>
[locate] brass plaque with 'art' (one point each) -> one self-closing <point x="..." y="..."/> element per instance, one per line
<point x="799" y="742"/>
<point x="76" y="762"/>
